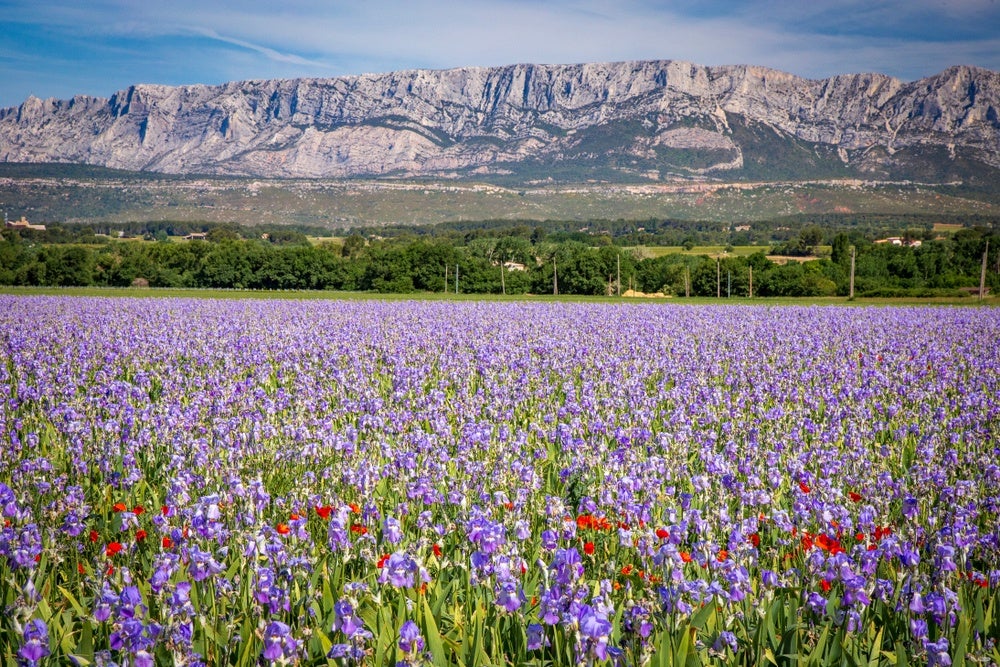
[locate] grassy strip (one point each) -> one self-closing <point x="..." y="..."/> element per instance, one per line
<point x="198" y="293"/>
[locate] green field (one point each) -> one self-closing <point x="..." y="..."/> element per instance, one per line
<point x="86" y="197"/>
<point x="176" y="293"/>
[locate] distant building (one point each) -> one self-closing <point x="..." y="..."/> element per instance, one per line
<point x="23" y="224"/>
<point x="897" y="240"/>
<point x="196" y="236"/>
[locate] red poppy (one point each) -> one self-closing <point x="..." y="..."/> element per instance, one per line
<point x="723" y="555"/>
<point x="138" y="509"/>
<point x="825" y="585"/>
<point x="627" y="569"/>
<point x="119" y="507"/>
<point x="94" y="536"/>
<point x="79" y="568"/>
<point x="860" y="537"/>
<point x="754" y="539"/>
<point x="324" y="511"/>
<point x="112" y="549"/>
<point x="354" y="508"/>
<point x="856" y="497"/>
<point x="509" y="506"/>
<point x="282" y="528"/>
<point x="167" y="542"/>
<point x="662" y="533"/>
<point x="588" y="548"/>
<point x="685" y="556"/>
<point x="381" y="561"/>
<point x="294" y="517"/>
<point x="436" y="549"/>
<point x="359" y="529"/>
<point x="140" y="535"/>
<point x="804" y="488"/>
<point x="164" y="510"/>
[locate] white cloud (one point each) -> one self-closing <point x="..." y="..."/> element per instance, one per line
<point x="213" y="41"/>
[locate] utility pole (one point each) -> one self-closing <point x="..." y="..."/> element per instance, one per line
<point x="687" y="282"/>
<point x="503" y="284"/>
<point x="853" y="251"/>
<point x="729" y="284"/>
<point x="446" y="278"/>
<point x="982" y="273"/>
<point x="751" y="281"/>
<point x="619" y="274"/>
<point x="555" y="277"/>
<point x="456" y="279"/>
<point x="718" y="278"/>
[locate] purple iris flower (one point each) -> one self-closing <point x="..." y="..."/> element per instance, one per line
<point x="937" y="653"/>
<point x="36" y="641"/>
<point x="345" y="620"/>
<point x="509" y="596"/>
<point x="595" y="630"/>
<point x="536" y="637"/>
<point x="410" y="640"/>
<point x="401" y="570"/>
<point x="392" y="531"/>
<point x="567" y="566"/>
<point x="278" y="642"/>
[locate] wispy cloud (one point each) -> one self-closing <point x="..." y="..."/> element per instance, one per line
<point x="271" y="54"/>
<point x="103" y="45"/>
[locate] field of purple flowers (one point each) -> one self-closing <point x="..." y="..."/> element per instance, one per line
<point x="374" y="483"/>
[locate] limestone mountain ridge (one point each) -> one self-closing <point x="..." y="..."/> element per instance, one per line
<point x="624" y="121"/>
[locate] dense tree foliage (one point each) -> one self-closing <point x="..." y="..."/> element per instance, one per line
<point x="515" y="260"/>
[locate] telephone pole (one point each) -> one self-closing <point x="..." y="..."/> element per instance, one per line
<point x="620" y="274"/>
<point x="751" y="282"/>
<point x="982" y="272"/>
<point x="853" y="250"/>
<point x="718" y="278"/>
<point x="555" y="277"/>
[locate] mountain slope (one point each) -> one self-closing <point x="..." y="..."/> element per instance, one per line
<point x="617" y="121"/>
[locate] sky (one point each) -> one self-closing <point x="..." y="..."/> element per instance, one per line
<point x="59" y="48"/>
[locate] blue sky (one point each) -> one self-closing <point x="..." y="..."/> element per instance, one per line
<point x="58" y="48"/>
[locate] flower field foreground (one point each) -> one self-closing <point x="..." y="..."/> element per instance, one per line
<point x="212" y="482"/>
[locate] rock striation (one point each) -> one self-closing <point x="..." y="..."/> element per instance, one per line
<point x="628" y="121"/>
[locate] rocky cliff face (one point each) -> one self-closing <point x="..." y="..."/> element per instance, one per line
<point x="633" y="121"/>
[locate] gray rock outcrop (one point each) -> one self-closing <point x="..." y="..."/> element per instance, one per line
<point x="633" y="120"/>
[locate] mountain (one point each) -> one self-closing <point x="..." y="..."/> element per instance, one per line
<point x="629" y="121"/>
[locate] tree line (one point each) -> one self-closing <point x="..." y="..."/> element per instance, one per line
<point x="511" y="263"/>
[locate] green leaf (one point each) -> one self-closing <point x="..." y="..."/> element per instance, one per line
<point x="901" y="657"/>
<point x="433" y="635"/>
<point x="961" y="645"/>
<point x="680" y="657"/>
<point x="703" y="616"/>
<point x="876" y="649"/>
